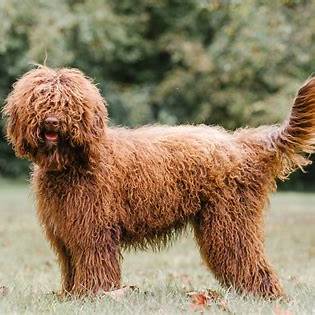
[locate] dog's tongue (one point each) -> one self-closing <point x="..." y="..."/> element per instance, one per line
<point x="51" y="136"/>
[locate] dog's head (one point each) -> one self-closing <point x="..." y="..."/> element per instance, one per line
<point x="55" y="117"/>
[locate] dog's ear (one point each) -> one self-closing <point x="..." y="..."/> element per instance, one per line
<point x="100" y="115"/>
<point x="92" y="131"/>
<point x="18" y="119"/>
<point x="9" y="115"/>
<point x="86" y="96"/>
<point x="99" y="120"/>
<point x="13" y="127"/>
<point x="92" y="126"/>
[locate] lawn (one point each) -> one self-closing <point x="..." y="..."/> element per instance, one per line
<point x="29" y="273"/>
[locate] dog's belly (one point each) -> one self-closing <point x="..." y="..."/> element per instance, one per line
<point x="143" y="234"/>
<point x="152" y="210"/>
<point x="148" y="220"/>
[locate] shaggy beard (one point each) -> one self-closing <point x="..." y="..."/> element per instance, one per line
<point x="53" y="161"/>
<point x="59" y="157"/>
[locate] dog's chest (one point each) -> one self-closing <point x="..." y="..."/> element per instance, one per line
<point x="73" y="207"/>
<point x="59" y="203"/>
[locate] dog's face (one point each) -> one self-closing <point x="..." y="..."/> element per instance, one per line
<point x="55" y="117"/>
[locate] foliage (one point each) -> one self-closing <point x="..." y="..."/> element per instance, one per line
<point x="195" y="61"/>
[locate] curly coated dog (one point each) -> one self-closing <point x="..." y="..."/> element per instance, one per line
<point x="100" y="189"/>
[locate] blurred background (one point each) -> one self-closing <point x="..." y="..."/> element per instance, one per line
<point x="233" y="63"/>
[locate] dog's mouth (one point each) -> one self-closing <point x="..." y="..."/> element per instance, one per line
<point x="51" y="136"/>
<point x="50" y="130"/>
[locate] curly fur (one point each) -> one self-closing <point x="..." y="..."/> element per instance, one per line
<point x="100" y="189"/>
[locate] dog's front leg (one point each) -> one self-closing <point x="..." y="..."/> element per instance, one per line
<point x="97" y="268"/>
<point x="64" y="260"/>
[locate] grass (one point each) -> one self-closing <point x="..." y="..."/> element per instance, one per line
<point x="29" y="272"/>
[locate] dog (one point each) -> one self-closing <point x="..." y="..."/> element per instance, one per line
<point x="101" y="189"/>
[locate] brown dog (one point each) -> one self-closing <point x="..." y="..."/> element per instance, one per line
<point x="100" y="189"/>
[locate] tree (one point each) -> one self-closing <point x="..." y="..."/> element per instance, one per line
<point x="233" y="63"/>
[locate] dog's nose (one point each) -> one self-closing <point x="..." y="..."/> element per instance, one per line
<point x="52" y="121"/>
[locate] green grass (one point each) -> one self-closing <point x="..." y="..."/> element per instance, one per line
<point x="29" y="269"/>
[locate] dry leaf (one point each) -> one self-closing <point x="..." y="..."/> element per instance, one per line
<point x="201" y="300"/>
<point x="4" y="291"/>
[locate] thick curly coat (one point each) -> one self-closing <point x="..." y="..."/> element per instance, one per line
<point x="100" y="189"/>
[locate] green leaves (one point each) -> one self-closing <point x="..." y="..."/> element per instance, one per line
<point x="232" y="63"/>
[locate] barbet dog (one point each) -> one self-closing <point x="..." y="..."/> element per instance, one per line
<point x="101" y="189"/>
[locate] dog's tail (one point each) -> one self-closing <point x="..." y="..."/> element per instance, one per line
<point x="297" y="135"/>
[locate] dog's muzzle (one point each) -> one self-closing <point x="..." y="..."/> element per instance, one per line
<point x="51" y="130"/>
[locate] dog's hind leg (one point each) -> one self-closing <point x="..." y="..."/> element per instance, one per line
<point x="231" y="245"/>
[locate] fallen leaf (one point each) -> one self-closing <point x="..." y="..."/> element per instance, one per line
<point x="4" y="291"/>
<point x="204" y="299"/>
<point x="199" y="301"/>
